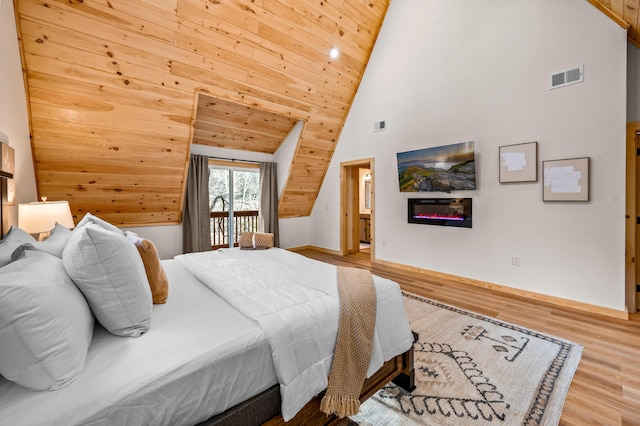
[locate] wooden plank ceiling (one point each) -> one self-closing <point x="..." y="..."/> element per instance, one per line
<point x="113" y="88"/>
<point x="226" y="124"/>
<point x="625" y="12"/>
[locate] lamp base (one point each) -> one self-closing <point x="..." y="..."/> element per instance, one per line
<point x="41" y="236"/>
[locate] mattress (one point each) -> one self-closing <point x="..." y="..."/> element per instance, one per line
<point x="200" y="357"/>
<point x="295" y="300"/>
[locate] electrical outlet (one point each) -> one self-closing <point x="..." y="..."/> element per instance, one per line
<point x="515" y="260"/>
<point x="384" y="241"/>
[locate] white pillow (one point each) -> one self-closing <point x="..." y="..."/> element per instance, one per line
<point x="55" y="242"/>
<point x="45" y="324"/>
<point x="14" y="238"/>
<point x="133" y="237"/>
<point x="89" y="218"/>
<point x="108" y="270"/>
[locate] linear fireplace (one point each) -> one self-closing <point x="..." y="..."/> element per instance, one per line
<point x="440" y="211"/>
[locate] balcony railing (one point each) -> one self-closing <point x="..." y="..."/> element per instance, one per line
<point x="243" y="221"/>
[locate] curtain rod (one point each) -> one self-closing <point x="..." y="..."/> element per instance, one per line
<point x="234" y="160"/>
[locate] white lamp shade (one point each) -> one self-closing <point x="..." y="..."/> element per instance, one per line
<point x="42" y="217"/>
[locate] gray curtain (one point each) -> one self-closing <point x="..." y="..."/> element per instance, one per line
<point x="269" y="200"/>
<point x="196" y="230"/>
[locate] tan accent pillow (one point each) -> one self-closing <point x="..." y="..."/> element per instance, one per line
<point x="246" y="240"/>
<point x="156" y="275"/>
<point x="262" y="240"/>
<point x="255" y="241"/>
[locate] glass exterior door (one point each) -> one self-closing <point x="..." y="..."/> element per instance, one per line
<point x="234" y="200"/>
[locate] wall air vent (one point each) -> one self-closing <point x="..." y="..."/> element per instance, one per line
<point x="566" y="77"/>
<point x="379" y="125"/>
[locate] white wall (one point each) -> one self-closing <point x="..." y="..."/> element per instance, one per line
<point x="444" y="72"/>
<point x="633" y="83"/>
<point x="14" y="121"/>
<point x="294" y="232"/>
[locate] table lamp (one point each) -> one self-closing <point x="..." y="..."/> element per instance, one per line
<point x="40" y="217"/>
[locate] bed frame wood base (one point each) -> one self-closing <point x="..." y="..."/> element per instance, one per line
<point x="264" y="408"/>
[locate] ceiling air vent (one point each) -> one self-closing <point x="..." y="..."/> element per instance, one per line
<point x="566" y="77"/>
<point x="379" y="125"/>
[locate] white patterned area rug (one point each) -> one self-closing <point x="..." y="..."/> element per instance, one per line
<point x="475" y="370"/>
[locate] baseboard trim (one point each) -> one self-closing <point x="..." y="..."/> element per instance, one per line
<point x="594" y="309"/>
<point x="585" y="307"/>
<point x="315" y="248"/>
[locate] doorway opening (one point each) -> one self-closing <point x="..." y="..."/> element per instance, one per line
<point x="632" y="231"/>
<point x="357" y="207"/>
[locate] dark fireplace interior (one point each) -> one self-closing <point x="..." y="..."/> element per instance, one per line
<point x="440" y="211"/>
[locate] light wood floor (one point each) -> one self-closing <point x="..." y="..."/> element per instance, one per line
<point x="606" y="387"/>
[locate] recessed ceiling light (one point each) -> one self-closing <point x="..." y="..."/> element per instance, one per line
<point x="334" y="53"/>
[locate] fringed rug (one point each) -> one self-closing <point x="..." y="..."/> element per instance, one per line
<point x="475" y="370"/>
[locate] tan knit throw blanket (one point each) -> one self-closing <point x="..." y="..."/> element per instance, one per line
<point x="354" y="343"/>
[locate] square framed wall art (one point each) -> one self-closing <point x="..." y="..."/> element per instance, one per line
<point x="519" y="162"/>
<point x="566" y="180"/>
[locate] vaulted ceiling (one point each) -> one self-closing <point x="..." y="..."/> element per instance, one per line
<point x="625" y="12"/>
<point x="231" y="125"/>
<point x="119" y="89"/>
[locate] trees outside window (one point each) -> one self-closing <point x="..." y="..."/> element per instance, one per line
<point x="242" y="186"/>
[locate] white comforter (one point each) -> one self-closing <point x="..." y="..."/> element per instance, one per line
<point x="295" y="300"/>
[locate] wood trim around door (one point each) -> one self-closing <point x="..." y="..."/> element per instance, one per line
<point x="347" y="170"/>
<point x="631" y="215"/>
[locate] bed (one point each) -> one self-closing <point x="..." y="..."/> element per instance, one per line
<point x="206" y="360"/>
